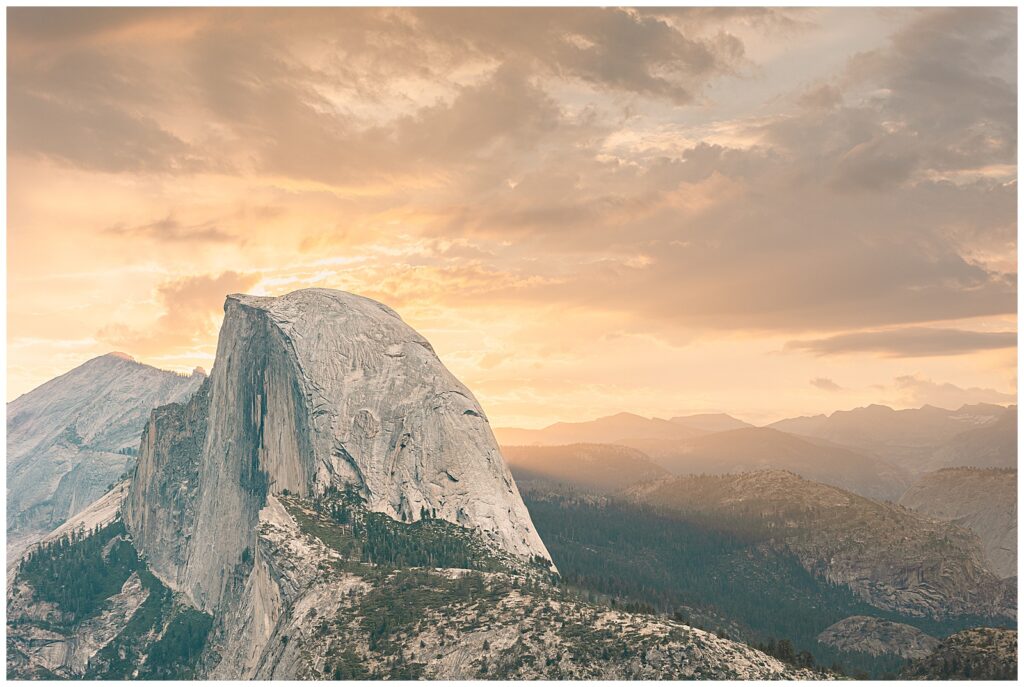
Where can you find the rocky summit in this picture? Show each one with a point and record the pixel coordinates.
(71, 438)
(312, 390)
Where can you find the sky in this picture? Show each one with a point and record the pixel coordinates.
(767, 212)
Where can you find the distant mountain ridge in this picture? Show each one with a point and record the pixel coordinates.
(919, 439)
(889, 556)
(602, 468)
(875, 450)
(711, 422)
(612, 429)
(760, 448)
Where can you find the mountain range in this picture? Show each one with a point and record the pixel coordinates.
(919, 439)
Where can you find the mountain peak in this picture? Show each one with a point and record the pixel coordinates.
(312, 391)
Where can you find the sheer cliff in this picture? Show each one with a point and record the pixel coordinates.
(314, 390)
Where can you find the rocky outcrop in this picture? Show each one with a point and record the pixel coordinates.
(983, 501)
(71, 438)
(889, 556)
(878, 637)
(45, 646)
(982, 653)
(305, 613)
(161, 509)
(312, 390)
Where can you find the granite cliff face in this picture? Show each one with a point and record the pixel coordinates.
(982, 501)
(314, 390)
(71, 438)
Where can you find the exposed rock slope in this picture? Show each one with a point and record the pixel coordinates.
(887, 555)
(983, 653)
(875, 636)
(312, 390)
(307, 603)
(332, 618)
(70, 438)
(983, 501)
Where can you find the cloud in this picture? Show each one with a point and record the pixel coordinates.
(825, 384)
(667, 174)
(192, 309)
(916, 391)
(171, 230)
(529, 132)
(908, 342)
(94, 136)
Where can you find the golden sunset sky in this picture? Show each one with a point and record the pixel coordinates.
(764, 212)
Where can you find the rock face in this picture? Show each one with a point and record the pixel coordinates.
(889, 556)
(982, 653)
(312, 390)
(877, 637)
(70, 438)
(983, 501)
